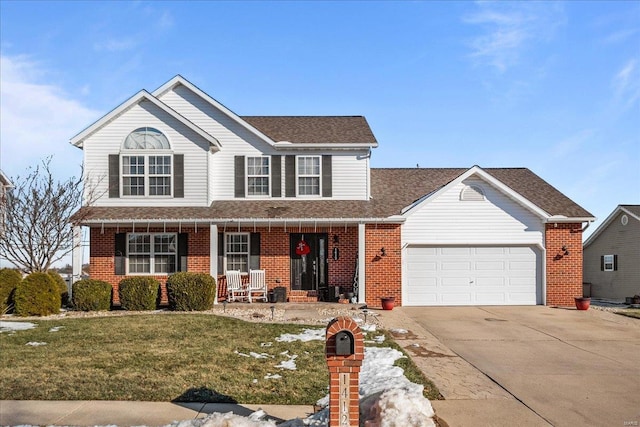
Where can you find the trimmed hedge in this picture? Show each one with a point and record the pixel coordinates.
(37, 295)
(9, 279)
(191, 291)
(139, 293)
(91, 295)
(62, 287)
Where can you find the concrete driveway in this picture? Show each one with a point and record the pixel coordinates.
(568, 367)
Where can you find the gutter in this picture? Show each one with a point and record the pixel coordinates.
(394, 219)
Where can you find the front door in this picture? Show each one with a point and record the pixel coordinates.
(308, 261)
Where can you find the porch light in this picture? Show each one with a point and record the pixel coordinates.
(336, 239)
(565, 249)
(383, 251)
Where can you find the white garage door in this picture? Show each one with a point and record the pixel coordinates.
(472, 276)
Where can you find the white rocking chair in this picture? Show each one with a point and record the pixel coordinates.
(257, 285)
(235, 289)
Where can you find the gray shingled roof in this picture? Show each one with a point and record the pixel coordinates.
(392, 190)
(634, 209)
(314, 129)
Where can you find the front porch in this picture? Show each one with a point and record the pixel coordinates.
(304, 261)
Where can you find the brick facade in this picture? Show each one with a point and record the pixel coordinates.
(564, 272)
(102, 255)
(383, 272)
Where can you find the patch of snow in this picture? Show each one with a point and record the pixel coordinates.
(259, 355)
(368, 327)
(266, 344)
(226, 420)
(288, 364)
(15, 326)
(36, 343)
(399, 331)
(396, 407)
(376, 340)
(56, 328)
(272, 376)
(306, 335)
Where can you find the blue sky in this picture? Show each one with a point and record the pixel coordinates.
(552, 86)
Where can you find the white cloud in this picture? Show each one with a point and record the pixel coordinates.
(572, 144)
(626, 84)
(508, 28)
(620, 36)
(38, 119)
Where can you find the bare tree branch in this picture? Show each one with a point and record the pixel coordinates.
(38, 229)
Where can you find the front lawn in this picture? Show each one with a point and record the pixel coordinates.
(164, 357)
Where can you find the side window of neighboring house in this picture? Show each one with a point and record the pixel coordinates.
(609, 263)
(146, 166)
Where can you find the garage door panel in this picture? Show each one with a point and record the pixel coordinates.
(472, 275)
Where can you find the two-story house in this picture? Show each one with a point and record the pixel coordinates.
(184, 183)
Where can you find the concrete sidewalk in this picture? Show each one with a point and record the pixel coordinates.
(92, 413)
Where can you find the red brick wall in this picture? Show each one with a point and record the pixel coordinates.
(102, 255)
(383, 273)
(564, 272)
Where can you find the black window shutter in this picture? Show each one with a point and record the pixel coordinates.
(290, 176)
(615, 263)
(114, 176)
(120, 254)
(601, 262)
(254, 254)
(239, 176)
(220, 253)
(327, 190)
(183, 251)
(276, 176)
(178, 175)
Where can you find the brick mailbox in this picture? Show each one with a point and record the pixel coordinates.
(345, 353)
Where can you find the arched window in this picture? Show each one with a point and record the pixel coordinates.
(472, 193)
(147, 171)
(146, 139)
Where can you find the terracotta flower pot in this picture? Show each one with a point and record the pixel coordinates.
(583, 303)
(387, 303)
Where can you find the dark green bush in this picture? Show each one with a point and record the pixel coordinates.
(138, 293)
(62, 287)
(91, 295)
(37, 295)
(191, 291)
(9, 279)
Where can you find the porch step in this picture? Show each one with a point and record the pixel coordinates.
(303, 296)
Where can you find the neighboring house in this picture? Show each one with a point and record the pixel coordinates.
(612, 255)
(190, 185)
(5, 185)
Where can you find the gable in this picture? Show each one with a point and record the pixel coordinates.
(613, 224)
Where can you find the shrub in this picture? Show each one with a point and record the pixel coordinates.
(91, 295)
(62, 287)
(37, 295)
(191, 291)
(9, 279)
(138, 293)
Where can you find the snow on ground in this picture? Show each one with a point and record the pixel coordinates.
(306, 335)
(15, 326)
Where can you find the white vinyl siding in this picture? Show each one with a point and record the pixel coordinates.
(109, 140)
(496, 220)
(350, 173)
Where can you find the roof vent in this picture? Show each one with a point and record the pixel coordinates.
(472, 193)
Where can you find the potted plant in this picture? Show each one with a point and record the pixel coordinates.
(387, 303)
(583, 303)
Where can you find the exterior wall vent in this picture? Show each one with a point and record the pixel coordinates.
(624, 220)
(472, 193)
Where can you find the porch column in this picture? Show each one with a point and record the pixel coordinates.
(213, 257)
(361, 263)
(76, 255)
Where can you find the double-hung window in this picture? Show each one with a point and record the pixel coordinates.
(308, 175)
(608, 262)
(258, 176)
(237, 251)
(152, 253)
(146, 164)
